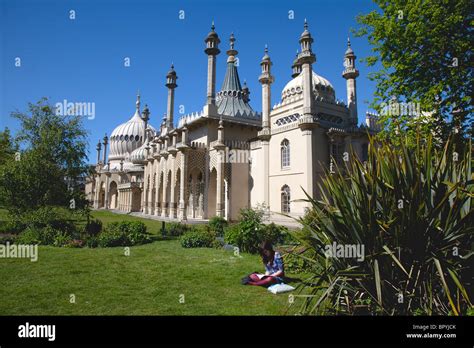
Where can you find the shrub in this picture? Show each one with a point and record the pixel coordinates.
(176, 229)
(91, 242)
(410, 210)
(198, 238)
(93, 228)
(218, 224)
(29, 236)
(11, 226)
(124, 233)
(8, 238)
(298, 261)
(274, 233)
(61, 239)
(250, 232)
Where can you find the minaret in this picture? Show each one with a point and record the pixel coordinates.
(171, 78)
(146, 115)
(296, 67)
(306, 123)
(306, 58)
(350, 73)
(106, 141)
(266, 79)
(212, 50)
(99, 146)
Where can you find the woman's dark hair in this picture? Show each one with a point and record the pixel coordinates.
(266, 251)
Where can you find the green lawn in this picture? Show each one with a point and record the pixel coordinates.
(148, 282)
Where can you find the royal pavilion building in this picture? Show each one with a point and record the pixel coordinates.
(229, 156)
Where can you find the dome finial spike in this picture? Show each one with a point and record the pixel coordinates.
(213, 26)
(266, 48)
(138, 100)
(305, 24)
(232, 40)
(348, 41)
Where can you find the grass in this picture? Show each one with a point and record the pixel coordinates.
(150, 281)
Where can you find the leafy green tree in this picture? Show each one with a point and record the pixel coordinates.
(53, 150)
(7, 146)
(425, 51)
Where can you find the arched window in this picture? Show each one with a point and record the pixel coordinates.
(285, 153)
(285, 199)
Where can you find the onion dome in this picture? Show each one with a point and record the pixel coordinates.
(321, 88)
(139, 155)
(349, 50)
(128, 136)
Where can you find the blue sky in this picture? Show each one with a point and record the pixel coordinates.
(82, 60)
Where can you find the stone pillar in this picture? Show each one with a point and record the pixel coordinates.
(220, 183)
(182, 187)
(164, 209)
(173, 187)
(106, 203)
(106, 141)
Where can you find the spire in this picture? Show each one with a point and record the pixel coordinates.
(232, 99)
(231, 52)
(349, 50)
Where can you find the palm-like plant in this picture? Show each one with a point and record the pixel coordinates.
(413, 213)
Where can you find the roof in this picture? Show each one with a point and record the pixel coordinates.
(231, 100)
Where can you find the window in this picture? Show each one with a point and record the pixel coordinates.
(285, 199)
(285, 153)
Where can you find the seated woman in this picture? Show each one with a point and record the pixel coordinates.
(274, 268)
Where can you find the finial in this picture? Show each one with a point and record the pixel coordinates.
(213, 26)
(266, 49)
(138, 100)
(232, 40)
(305, 24)
(221, 123)
(348, 42)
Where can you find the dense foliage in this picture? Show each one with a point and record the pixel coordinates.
(412, 211)
(218, 224)
(52, 157)
(199, 238)
(424, 48)
(250, 232)
(123, 233)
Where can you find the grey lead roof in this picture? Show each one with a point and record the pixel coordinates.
(231, 100)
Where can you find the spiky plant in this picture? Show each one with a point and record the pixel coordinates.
(412, 211)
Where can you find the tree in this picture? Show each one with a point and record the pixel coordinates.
(7, 146)
(424, 47)
(59, 138)
(53, 150)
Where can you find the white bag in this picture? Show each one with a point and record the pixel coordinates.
(280, 288)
